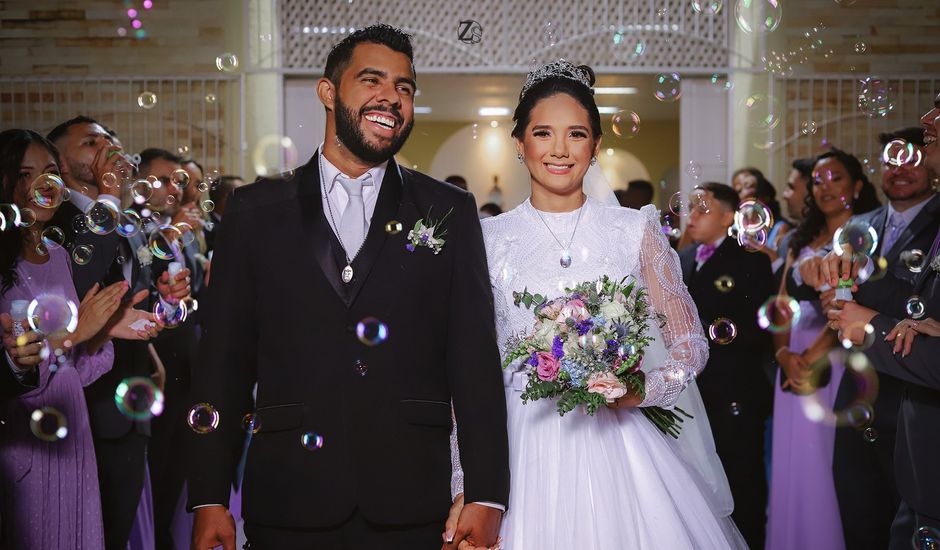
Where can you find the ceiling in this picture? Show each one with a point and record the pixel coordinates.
(459, 97)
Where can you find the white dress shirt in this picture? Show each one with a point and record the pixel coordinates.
(335, 199)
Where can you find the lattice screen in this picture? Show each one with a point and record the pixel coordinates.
(517, 35)
(831, 103)
(191, 115)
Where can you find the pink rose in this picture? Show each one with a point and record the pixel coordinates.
(551, 310)
(574, 309)
(606, 384)
(547, 367)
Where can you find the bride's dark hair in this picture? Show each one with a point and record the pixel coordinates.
(554, 84)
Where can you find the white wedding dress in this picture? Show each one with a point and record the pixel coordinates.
(612, 481)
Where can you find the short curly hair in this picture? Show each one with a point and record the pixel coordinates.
(338, 59)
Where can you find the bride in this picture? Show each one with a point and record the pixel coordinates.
(612, 480)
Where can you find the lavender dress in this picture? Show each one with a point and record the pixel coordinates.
(804, 512)
(49, 490)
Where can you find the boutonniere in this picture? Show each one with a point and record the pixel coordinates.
(144, 255)
(935, 264)
(429, 235)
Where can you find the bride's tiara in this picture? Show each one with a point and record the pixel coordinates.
(556, 69)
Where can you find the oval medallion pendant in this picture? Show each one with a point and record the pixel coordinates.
(348, 273)
(565, 260)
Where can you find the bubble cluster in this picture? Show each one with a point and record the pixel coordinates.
(139, 398)
(668, 87)
(203, 418)
(48, 424)
(899, 152)
(722, 331)
(625, 124)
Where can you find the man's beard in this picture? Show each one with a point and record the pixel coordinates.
(82, 172)
(351, 136)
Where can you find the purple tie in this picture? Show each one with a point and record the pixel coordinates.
(704, 252)
(933, 249)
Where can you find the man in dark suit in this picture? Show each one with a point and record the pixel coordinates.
(352, 435)
(907, 223)
(728, 285)
(918, 479)
(88, 152)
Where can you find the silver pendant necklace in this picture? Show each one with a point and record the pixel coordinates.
(565, 259)
(347, 273)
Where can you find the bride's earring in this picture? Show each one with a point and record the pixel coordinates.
(520, 158)
(338, 142)
(593, 161)
(935, 184)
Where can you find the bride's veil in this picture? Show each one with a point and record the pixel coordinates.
(695, 442)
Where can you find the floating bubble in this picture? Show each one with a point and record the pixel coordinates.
(81, 254)
(147, 100)
(628, 47)
(870, 435)
(721, 81)
(272, 154)
(899, 152)
(141, 191)
(693, 169)
(675, 204)
(251, 423)
(808, 128)
(371, 331)
(662, 12)
(47, 191)
(778, 313)
(48, 424)
(926, 538)
(859, 415)
(856, 236)
(207, 205)
(187, 236)
(78, 224)
(914, 260)
(752, 216)
(52, 237)
(761, 111)
(861, 47)
(722, 331)
(875, 97)
(227, 62)
(625, 124)
(27, 217)
(180, 177)
(734, 408)
(860, 381)
(202, 186)
(169, 315)
(724, 284)
(102, 217)
(868, 336)
(311, 441)
(915, 307)
(52, 313)
(164, 241)
(753, 241)
(707, 7)
(551, 34)
(138, 398)
(758, 16)
(129, 223)
(211, 98)
(668, 87)
(109, 179)
(393, 227)
(203, 418)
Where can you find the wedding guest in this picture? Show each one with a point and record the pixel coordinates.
(728, 284)
(219, 195)
(48, 480)
(88, 152)
(804, 511)
(192, 198)
(755, 186)
(639, 193)
(459, 181)
(795, 197)
(489, 210)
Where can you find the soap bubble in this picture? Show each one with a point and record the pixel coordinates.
(724, 284)
(147, 100)
(272, 153)
(251, 423)
(102, 217)
(52, 237)
(393, 227)
(203, 418)
(227, 62)
(129, 223)
(668, 87)
(551, 34)
(914, 260)
(180, 177)
(778, 313)
(856, 236)
(875, 97)
(915, 307)
(628, 47)
(752, 216)
(861, 47)
(51, 313)
(311, 441)
(47, 191)
(926, 538)
(81, 254)
(707, 7)
(758, 16)
(138, 398)
(722, 331)
(808, 128)
(48, 424)
(761, 111)
(625, 124)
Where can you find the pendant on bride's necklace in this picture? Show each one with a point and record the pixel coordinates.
(565, 260)
(348, 273)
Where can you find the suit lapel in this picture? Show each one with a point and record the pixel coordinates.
(923, 219)
(879, 221)
(386, 209)
(317, 229)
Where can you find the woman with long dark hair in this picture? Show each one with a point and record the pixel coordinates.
(48, 476)
(804, 511)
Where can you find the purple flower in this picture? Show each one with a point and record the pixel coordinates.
(585, 326)
(424, 238)
(410, 247)
(558, 348)
(534, 361)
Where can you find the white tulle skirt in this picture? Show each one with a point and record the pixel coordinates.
(608, 482)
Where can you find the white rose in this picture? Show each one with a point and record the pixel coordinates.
(545, 334)
(613, 310)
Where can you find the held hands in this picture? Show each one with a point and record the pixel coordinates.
(23, 349)
(213, 526)
(177, 290)
(797, 371)
(472, 526)
(850, 318)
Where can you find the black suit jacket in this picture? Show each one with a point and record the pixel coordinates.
(130, 357)
(735, 371)
(917, 448)
(277, 313)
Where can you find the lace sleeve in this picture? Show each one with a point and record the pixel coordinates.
(686, 346)
(456, 476)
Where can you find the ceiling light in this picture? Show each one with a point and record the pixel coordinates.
(494, 111)
(422, 110)
(615, 90)
(608, 110)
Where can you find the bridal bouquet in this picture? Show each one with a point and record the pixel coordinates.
(586, 347)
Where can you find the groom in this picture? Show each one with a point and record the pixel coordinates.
(358, 337)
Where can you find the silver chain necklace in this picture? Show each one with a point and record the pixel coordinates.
(347, 273)
(565, 259)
